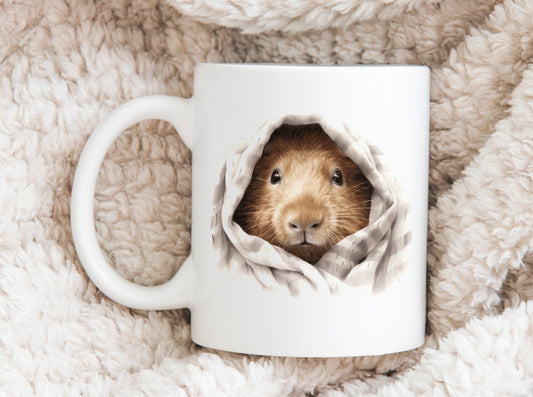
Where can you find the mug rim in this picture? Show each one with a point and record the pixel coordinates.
(271, 66)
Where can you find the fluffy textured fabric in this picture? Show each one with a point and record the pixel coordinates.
(65, 65)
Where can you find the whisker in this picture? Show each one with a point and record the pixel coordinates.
(365, 183)
(260, 179)
(347, 214)
(362, 202)
(353, 208)
(353, 212)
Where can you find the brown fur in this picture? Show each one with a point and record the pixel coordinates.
(305, 206)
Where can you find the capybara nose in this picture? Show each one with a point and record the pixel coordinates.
(305, 225)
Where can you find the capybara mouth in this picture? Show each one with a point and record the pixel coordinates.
(309, 252)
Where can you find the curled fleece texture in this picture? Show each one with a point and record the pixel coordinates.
(296, 16)
(64, 65)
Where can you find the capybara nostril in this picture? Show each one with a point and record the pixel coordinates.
(298, 225)
(294, 225)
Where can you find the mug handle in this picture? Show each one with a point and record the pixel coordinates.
(173, 294)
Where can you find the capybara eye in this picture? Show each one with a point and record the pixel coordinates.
(336, 177)
(275, 178)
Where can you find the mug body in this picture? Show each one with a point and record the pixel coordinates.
(245, 306)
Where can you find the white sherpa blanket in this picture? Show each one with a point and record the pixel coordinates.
(64, 65)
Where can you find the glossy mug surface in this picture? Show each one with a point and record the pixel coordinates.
(366, 296)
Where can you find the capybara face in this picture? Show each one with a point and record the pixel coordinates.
(305, 194)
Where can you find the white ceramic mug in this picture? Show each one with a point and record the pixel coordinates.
(267, 302)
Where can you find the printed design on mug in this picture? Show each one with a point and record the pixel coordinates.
(351, 233)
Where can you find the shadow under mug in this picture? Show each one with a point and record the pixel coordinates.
(366, 296)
